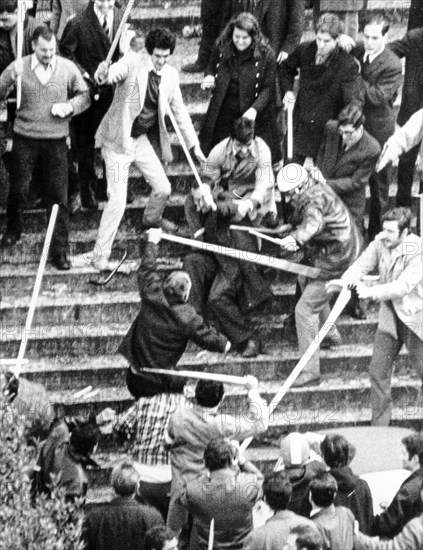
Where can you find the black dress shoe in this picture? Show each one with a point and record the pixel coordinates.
(10, 238)
(195, 67)
(61, 261)
(252, 349)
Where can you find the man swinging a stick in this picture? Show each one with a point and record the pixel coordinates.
(134, 130)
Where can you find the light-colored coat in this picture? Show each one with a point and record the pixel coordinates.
(401, 280)
(130, 74)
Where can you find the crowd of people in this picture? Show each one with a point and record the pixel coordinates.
(62, 101)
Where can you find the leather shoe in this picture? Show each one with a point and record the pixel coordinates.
(61, 261)
(252, 349)
(10, 238)
(331, 340)
(195, 67)
(307, 379)
(74, 204)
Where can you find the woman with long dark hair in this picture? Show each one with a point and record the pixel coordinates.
(242, 74)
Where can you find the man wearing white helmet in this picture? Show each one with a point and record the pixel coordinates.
(326, 233)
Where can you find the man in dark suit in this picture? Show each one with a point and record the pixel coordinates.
(86, 40)
(328, 82)
(122, 523)
(347, 159)
(411, 48)
(381, 72)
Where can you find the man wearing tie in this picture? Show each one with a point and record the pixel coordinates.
(381, 72)
(134, 130)
(86, 40)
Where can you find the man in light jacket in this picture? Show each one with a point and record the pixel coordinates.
(397, 254)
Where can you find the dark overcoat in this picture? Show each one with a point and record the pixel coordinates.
(119, 525)
(84, 41)
(162, 329)
(281, 21)
(257, 89)
(348, 172)
(410, 47)
(324, 227)
(381, 80)
(323, 91)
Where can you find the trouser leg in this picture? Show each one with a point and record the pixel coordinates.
(25, 154)
(406, 168)
(379, 200)
(211, 15)
(202, 268)
(54, 156)
(312, 304)
(117, 168)
(152, 169)
(223, 303)
(385, 350)
(414, 345)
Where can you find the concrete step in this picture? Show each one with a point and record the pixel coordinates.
(77, 334)
(72, 367)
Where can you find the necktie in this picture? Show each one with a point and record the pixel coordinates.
(106, 27)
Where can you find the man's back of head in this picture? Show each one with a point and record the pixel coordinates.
(208, 393)
(277, 490)
(124, 478)
(323, 489)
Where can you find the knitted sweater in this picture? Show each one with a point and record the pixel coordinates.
(33, 118)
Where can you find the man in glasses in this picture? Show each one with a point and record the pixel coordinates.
(347, 158)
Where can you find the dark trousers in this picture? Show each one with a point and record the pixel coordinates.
(53, 154)
(406, 167)
(85, 127)
(379, 200)
(385, 350)
(215, 291)
(156, 495)
(211, 16)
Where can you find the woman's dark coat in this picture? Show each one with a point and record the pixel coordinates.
(257, 89)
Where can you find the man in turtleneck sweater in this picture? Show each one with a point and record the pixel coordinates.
(40, 131)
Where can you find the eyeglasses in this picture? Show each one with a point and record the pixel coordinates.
(348, 133)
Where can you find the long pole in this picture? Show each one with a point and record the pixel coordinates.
(261, 259)
(43, 260)
(19, 48)
(119, 31)
(341, 302)
(290, 144)
(210, 202)
(198, 375)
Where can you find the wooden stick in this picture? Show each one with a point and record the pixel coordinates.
(198, 375)
(341, 302)
(44, 255)
(265, 237)
(19, 48)
(178, 132)
(211, 536)
(281, 229)
(117, 36)
(290, 141)
(6, 362)
(260, 259)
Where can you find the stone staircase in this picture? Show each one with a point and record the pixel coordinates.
(77, 327)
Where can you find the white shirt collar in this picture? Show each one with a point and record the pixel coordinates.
(372, 57)
(100, 17)
(35, 63)
(151, 67)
